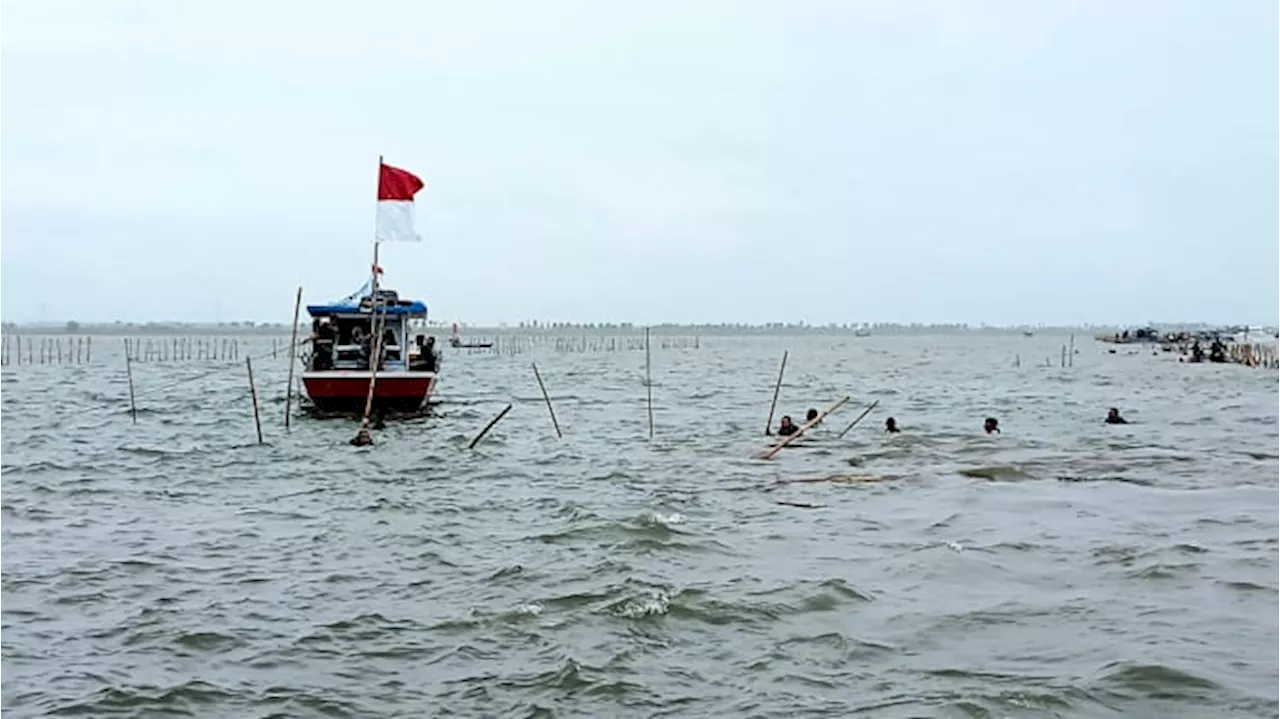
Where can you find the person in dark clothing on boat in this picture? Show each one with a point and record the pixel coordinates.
(1197, 352)
(1113, 417)
(891, 426)
(786, 427)
(991, 426)
(322, 337)
(1217, 351)
(430, 349)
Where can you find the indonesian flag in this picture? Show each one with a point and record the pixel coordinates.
(396, 189)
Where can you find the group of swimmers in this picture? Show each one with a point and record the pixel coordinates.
(990, 425)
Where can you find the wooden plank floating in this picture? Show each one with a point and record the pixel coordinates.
(489, 426)
(858, 419)
(769, 453)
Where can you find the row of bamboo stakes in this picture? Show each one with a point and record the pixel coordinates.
(768, 453)
(506, 344)
(79, 350)
(49, 350)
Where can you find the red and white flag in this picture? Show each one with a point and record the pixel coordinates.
(396, 189)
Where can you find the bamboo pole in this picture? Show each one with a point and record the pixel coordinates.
(768, 425)
(253, 394)
(375, 342)
(648, 380)
(488, 427)
(547, 397)
(293, 358)
(858, 419)
(128, 368)
(1071, 356)
(803, 428)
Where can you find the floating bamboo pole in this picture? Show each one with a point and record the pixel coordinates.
(803, 428)
(768, 425)
(489, 426)
(293, 358)
(253, 394)
(858, 419)
(547, 397)
(648, 380)
(128, 368)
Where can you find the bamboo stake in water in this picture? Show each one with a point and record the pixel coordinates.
(128, 368)
(253, 393)
(293, 359)
(768, 425)
(648, 380)
(488, 427)
(376, 342)
(858, 419)
(802, 429)
(547, 397)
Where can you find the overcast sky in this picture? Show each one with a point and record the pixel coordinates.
(999, 161)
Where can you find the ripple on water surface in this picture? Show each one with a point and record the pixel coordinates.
(1063, 568)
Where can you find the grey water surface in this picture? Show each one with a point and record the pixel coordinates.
(1062, 569)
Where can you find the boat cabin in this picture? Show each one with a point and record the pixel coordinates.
(342, 335)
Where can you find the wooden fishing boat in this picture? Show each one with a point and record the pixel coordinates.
(338, 369)
(371, 351)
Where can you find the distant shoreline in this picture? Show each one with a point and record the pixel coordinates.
(125, 329)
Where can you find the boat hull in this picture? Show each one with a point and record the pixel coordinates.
(347, 390)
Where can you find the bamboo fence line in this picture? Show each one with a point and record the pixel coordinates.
(514, 344)
(18, 349)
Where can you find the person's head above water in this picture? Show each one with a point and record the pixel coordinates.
(786, 420)
(891, 425)
(991, 425)
(811, 415)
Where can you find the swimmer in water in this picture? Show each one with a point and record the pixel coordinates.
(363, 438)
(1113, 417)
(810, 415)
(786, 427)
(891, 426)
(991, 426)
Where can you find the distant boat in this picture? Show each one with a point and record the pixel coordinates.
(1028, 333)
(862, 332)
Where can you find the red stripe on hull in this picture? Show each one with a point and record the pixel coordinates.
(395, 391)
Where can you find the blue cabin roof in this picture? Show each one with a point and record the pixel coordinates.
(414, 308)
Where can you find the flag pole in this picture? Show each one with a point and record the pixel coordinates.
(376, 340)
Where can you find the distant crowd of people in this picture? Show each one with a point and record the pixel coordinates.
(990, 425)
